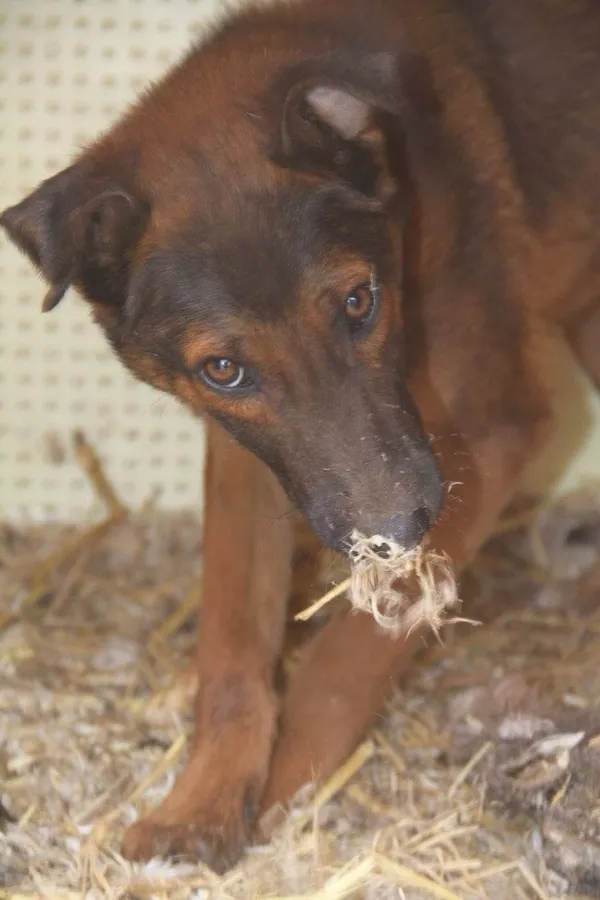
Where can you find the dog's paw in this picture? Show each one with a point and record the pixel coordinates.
(219, 848)
(211, 810)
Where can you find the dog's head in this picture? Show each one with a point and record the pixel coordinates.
(239, 236)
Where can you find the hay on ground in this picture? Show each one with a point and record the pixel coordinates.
(480, 781)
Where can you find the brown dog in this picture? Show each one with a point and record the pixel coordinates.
(339, 227)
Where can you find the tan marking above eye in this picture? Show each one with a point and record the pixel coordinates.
(198, 346)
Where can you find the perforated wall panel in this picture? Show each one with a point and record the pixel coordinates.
(67, 69)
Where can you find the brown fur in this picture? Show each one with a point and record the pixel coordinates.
(449, 146)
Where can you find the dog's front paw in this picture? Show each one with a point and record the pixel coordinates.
(220, 848)
(212, 807)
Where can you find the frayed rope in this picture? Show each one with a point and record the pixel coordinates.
(373, 586)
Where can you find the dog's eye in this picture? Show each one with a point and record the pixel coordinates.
(360, 305)
(223, 373)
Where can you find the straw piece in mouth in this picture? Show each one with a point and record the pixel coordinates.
(378, 567)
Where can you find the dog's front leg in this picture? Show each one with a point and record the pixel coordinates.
(247, 570)
(352, 664)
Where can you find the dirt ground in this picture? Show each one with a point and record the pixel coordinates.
(480, 779)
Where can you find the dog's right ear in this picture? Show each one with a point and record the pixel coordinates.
(330, 115)
(79, 228)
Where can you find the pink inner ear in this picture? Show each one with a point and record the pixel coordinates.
(344, 112)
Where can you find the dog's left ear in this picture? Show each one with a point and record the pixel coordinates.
(336, 116)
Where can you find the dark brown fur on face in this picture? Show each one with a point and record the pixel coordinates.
(442, 156)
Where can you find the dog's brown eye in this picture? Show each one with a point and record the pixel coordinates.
(223, 373)
(360, 304)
